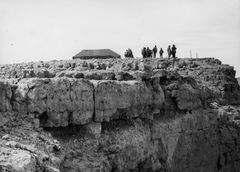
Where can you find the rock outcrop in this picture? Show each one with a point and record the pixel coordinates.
(120, 115)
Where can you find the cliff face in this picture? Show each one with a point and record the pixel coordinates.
(120, 115)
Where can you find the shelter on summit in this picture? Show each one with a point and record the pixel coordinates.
(96, 54)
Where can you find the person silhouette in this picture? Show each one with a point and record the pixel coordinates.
(154, 51)
(161, 53)
(169, 51)
(144, 52)
(149, 53)
(174, 50)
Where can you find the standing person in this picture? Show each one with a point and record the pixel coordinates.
(154, 51)
(174, 50)
(169, 51)
(149, 52)
(144, 52)
(161, 53)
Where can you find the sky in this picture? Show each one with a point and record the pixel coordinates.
(34, 30)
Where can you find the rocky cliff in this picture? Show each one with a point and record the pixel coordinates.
(120, 115)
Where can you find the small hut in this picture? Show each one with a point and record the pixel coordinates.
(96, 54)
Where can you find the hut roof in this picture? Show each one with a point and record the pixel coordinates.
(97, 53)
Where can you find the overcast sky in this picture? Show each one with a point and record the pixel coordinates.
(34, 30)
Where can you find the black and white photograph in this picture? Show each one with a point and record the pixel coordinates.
(120, 86)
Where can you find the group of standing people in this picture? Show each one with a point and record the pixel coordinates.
(148, 53)
(151, 53)
(172, 51)
(128, 53)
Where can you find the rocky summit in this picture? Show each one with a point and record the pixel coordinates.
(120, 115)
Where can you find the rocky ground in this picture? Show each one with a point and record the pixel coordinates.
(120, 115)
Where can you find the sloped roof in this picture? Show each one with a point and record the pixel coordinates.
(97, 53)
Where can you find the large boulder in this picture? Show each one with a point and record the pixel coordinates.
(57, 102)
(26, 150)
(187, 98)
(16, 160)
(121, 99)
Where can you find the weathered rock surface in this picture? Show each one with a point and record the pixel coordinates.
(26, 150)
(120, 115)
(126, 99)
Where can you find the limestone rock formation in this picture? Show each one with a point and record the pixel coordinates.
(120, 115)
(126, 99)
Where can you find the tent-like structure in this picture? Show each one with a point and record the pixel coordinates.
(96, 54)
